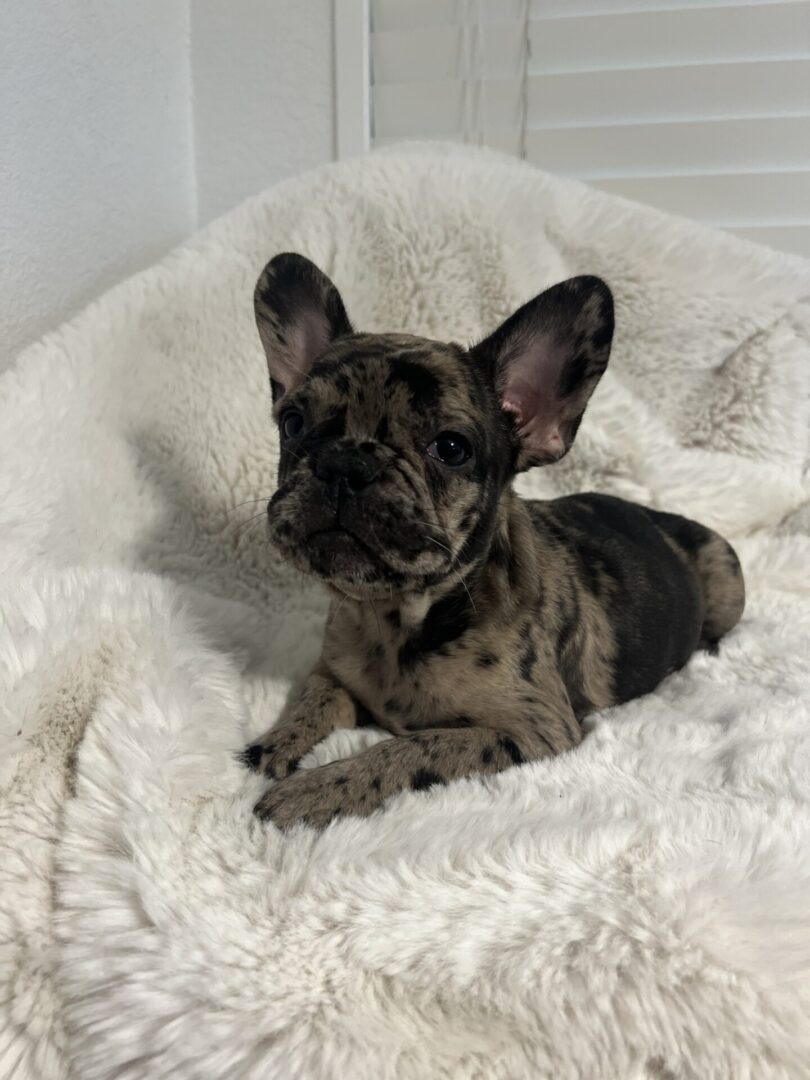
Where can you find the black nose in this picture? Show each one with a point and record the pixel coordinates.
(348, 469)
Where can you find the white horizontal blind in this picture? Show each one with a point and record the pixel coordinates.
(700, 108)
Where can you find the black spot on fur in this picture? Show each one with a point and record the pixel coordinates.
(421, 383)
(292, 766)
(363, 716)
(342, 382)
(423, 779)
(334, 427)
(511, 748)
(341, 780)
(381, 434)
(393, 619)
(376, 784)
(486, 659)
(251, 757)
(447, 620)
(499, 553)
(527, 661)
(393, 705)
(458, 722)
(487, 755)
(569, 620)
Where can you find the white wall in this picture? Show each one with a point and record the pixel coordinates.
(96, 160)
(126, 123)
(263, 94)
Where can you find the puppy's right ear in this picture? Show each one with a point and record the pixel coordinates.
(298, 313)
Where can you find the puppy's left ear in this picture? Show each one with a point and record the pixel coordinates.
(546, 360)
(298, 313)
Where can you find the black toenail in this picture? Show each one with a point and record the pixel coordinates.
(253, 756)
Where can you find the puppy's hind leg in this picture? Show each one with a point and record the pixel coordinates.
(717, 568)
(723, 588)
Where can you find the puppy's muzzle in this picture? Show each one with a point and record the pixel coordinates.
(346, 471)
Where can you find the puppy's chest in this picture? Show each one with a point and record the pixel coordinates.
(406, 693)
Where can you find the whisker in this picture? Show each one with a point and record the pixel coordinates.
(242, 524)
(438, 543)
(245, 503)
(466, 590)
(343, 598)
(377, 617)
(456, 572)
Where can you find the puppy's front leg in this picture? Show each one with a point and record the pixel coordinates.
(361, 784)
(324, 706)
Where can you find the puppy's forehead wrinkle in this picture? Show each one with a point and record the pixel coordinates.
(347, 353)
(392, 392)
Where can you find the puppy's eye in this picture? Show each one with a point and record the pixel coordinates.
(291, 423)
(450, 448)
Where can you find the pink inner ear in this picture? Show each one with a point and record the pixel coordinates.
(536, 411)
(306, 339)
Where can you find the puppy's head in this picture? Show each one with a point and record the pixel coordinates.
(395, 450)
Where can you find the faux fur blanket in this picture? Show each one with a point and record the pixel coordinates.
(639, 908)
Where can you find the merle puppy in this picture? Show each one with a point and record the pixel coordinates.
(477, 627)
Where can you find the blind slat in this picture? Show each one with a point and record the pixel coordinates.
(695, 147)
(713, 91)
(706, 92)
(407, 14)
(728, 201)
(652, 38)
(642, 39)
(634, 151)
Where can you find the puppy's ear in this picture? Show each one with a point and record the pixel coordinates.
(546, 360)
(298, 313)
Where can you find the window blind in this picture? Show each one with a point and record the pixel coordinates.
(699, 108)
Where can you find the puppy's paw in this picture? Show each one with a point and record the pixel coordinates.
(316, 796)
(284, 806)
(275, 756)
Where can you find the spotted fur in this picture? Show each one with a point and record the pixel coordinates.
(476, 627)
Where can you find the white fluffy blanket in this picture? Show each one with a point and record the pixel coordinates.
(637, 908)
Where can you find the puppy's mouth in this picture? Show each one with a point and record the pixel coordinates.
(368, 545)
(337, 537)
(338, 555)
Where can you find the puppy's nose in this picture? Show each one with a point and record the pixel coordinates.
(347, 469)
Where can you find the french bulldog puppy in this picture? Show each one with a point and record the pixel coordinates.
(477, 627)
